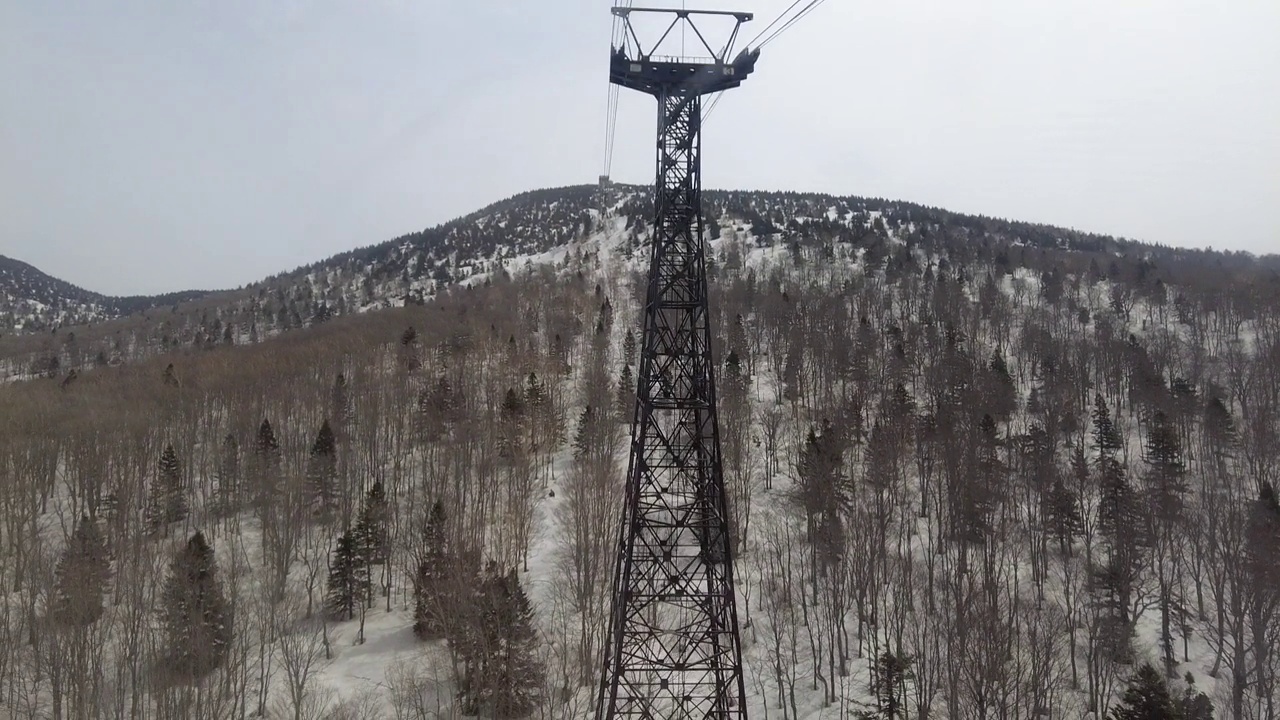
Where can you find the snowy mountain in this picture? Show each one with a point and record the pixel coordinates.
(535, 228)
(977, 468)
(32, 301)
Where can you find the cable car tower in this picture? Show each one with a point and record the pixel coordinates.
(673, 649)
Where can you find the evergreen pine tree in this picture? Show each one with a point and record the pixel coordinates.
(348, 578)
(629, 347)
(82, 576)
(889, 686)
(582, 437)
(792, 371)
(408, 354)
(1105, 436)
(1062, 515)
(516, 676)
(431, 584)
(982, 491)
(736, 379)
(1121, 522)
(822, 493)
(195, 616)
(266, 454)
(322, 474)
(167, 502)
(340, 404)
(1166, 487)
(1195, 705)
(511, 418)
(470, 634)
(370, 534)
(435, 410)
(605, 317)
(1218, 423)
(228, 475)
(738, 342)
(497, 645)
(1001, 392)
(864, 344)
(1263, 533)
(545, 423)
(625, 395)
(560, 353)
(1147, 698)
(1166, 470)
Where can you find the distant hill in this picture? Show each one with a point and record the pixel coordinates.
(32, 300)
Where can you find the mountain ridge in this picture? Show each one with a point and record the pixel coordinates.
(33, 300)
(539, 225)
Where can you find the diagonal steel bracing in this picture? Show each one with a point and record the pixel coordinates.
(673, 647)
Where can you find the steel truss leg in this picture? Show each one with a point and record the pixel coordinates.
(673, 646)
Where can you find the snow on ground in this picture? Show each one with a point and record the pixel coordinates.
(380, 665)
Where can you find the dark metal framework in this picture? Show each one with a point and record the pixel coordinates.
(673, 647)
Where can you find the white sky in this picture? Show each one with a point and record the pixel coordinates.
(157, 146)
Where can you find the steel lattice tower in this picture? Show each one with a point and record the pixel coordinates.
(673, 649)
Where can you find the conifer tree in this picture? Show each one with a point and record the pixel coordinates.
(1121, 523)
(1262, 550)
(516, 675)
(560, 353)
(322, 474)
(167, 502)
(604, 320)
(629, 347)
(822, 493)
(340, 404)
(889, 686)
(266, 454)
(501, 674)
(196, 619)
(511, 424)
(470, 636)
(431, 585)
(1166, 470)
(1195, 705)
(1062, 515)
(1105, 436)
(738, 342)
(546, 427)
(792, 371)
(865, 345)
(1166, 487)
(435, 410)
(370, 535)
(735, 376)
(348, 578)
(228, 475)
(408, 354)
(1001, 392)
(625, 395)
(1147, 698)
(582, 437)
(82, 576)
(982, 491)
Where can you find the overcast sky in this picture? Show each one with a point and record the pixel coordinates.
(157, 146)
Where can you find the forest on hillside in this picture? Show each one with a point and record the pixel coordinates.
(559, 226)
(968, 479)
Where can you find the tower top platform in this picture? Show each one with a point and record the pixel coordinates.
(649, 70)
